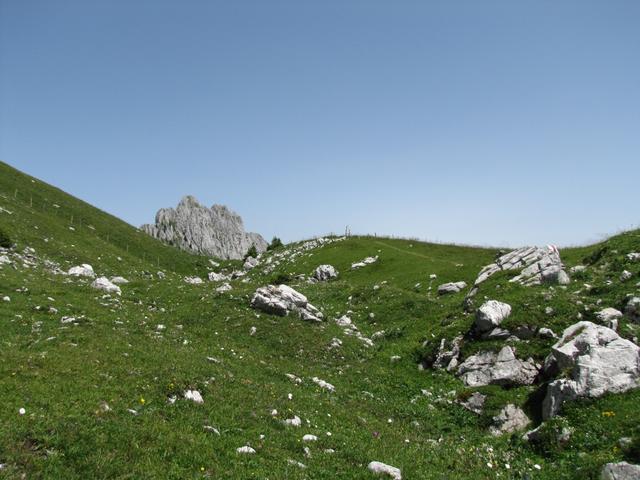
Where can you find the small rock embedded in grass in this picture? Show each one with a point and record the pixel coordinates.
(194, 396)
(309, 438)
(294, 422)
(379, 468)
(246, 450)
(322, 384)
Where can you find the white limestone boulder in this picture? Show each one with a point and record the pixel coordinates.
(491, 314)
(84, 270)
(597, 360)
(103, 283)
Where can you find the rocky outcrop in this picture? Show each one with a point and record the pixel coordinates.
(503, 368)
(597, 360)
(215, 231)
(282, 299)
(539, 265)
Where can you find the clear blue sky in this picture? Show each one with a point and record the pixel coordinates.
(488, 122)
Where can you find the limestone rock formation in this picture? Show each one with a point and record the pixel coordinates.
(539, 265)
(598, 361)
(215, 231)
(503, 368)
(491, 314)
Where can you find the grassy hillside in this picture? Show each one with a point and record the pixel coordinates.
(71, 231)
(96, 390)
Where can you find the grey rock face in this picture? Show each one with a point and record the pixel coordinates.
(598, 361)
(510, 419)
(452, 287)
(282, 299)
(503, 368)
(215, 231)
(539, 265)
(620, 471)
(491, 314)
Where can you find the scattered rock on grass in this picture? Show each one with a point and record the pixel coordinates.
(379, 468)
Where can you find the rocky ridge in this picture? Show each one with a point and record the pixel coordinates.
(215, 231)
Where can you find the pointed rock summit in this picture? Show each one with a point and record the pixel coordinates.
(215, 231)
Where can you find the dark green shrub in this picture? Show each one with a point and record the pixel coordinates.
(5, 240)
(252, 252)
(280, 278)
(275, 243)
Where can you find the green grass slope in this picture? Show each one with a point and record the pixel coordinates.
(96, 390)
(71, 231)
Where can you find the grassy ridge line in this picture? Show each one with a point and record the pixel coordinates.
(77, 232)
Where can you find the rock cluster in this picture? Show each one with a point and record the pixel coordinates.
(282, 299)
(503, 368)
(215, 231)
(539, 265)
(598, 361)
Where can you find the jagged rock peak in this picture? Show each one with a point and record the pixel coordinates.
(216, 231)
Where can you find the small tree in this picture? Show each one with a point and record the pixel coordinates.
(5, 240)
(252, 252)
(275, 243)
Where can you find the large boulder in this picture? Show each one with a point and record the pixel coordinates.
(503, 368)
(539, 265)
(282, 299)
(215, 231)
(491, 314)
(451, 287)
(324, 273)
(597, 360)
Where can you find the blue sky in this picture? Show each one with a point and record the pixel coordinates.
(493, 122)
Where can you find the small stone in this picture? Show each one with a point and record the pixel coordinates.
(379, 468)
